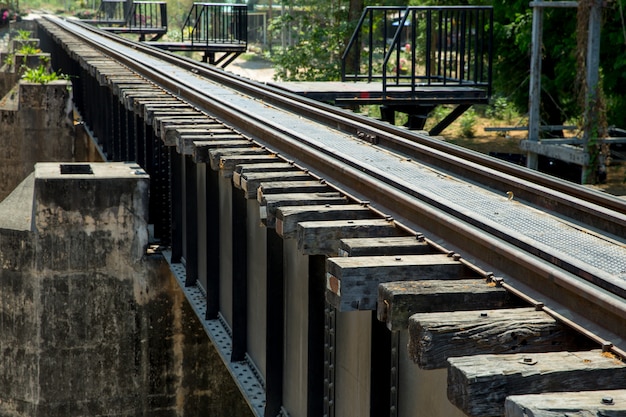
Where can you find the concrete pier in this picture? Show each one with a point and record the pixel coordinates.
(90, 322)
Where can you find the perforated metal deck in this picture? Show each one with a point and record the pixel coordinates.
(558, 236)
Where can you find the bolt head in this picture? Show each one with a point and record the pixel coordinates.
(607, 400)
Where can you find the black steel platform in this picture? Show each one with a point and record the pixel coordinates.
(356, 93)
(412, 59)
(228, 51)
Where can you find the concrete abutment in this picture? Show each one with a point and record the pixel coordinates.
(90, 324)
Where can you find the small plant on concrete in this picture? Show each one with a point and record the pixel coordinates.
(40, 75)
(9, 59)
(23, 34)
(29, 50)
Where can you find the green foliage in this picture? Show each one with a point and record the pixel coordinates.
(439, 113)
(317, 33)
(502, 109)
(9, 59)
(468, 123)
(23, 34)
(40, 75)
(28, 49)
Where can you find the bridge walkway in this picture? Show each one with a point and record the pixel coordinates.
(218, 30)
(412, 59)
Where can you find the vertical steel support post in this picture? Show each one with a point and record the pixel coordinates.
(191, 222)
(394, 363)
(380, 380)
(274, 338)
(139, 149)
(128, 139)
(429, 40)
(177, 177)
(592, 79)
(534, 95)
(315, 357)
(212, 245)
(163, 8)
(240, 276)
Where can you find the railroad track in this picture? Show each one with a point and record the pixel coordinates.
(517, 236)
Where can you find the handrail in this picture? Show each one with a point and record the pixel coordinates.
(147, 15)
(134, 16)
(111, 11)
(422, 46)
(216, 23)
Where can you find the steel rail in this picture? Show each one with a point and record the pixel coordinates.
(497, 252)
(542, 190)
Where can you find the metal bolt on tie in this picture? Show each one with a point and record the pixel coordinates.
(527, 360)
(484, 314)
(607, 400)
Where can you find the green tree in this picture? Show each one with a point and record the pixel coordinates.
(313, 35)
(560, 91)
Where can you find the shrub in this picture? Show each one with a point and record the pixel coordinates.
(468, 123)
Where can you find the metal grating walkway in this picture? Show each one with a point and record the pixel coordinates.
(554, 235)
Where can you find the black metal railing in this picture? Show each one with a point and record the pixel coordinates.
(148, 15)
(112, 12)
(422, 46)
(216, 23)
(142, 17)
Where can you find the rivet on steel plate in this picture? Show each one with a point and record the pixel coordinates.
(484, 314)
(607, 400)
(398, 258)
(350, 221)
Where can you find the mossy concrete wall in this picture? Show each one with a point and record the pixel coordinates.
(92, 324)
(35, 126)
